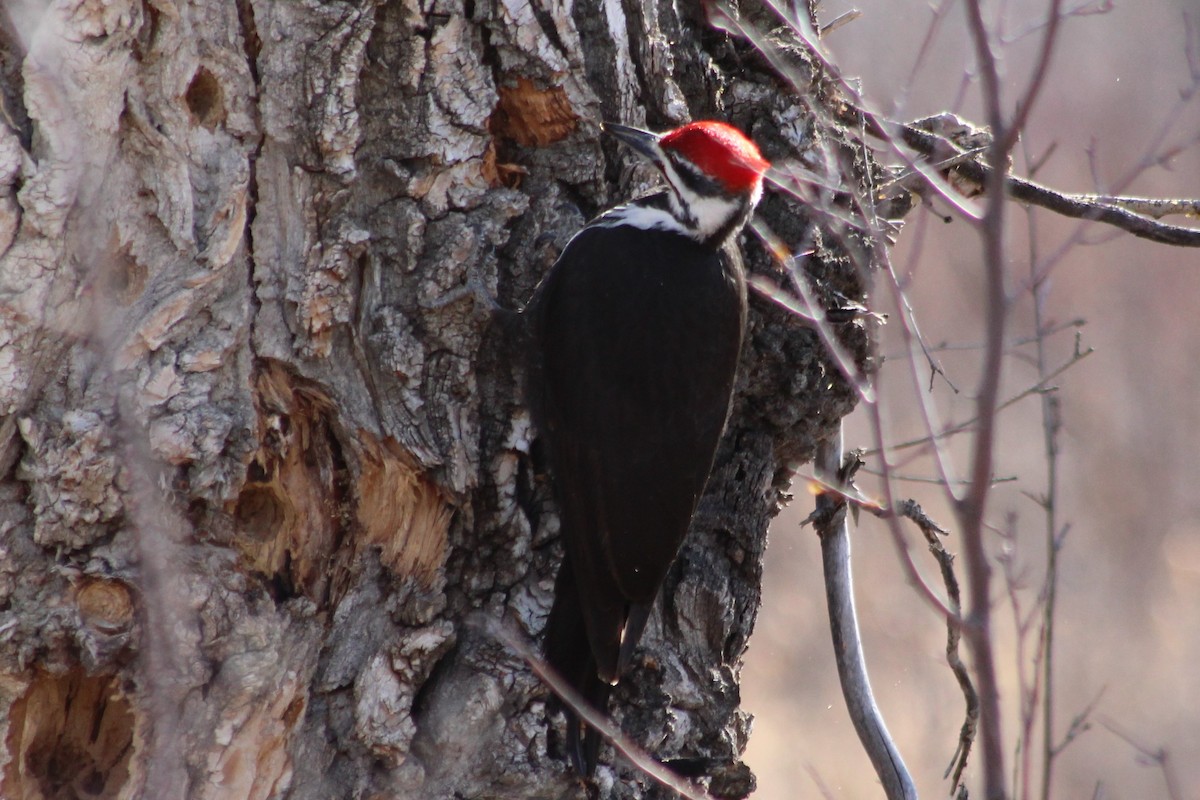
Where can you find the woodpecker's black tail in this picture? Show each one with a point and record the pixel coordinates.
(567, 650)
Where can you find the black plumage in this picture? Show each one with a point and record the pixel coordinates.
(635, 338)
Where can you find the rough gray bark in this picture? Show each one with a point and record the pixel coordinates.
(263, 457)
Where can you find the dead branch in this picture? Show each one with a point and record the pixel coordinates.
(833, 529)
(972, 505)
(912, 510)
(1132, 214)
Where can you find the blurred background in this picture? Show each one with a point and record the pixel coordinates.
(1128, 621)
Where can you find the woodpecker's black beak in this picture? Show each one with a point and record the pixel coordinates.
(642, 142)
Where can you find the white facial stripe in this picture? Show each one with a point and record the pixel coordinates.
(644, 217)
(702, 215)
(693, 215)
(756, 193)
(711, 214)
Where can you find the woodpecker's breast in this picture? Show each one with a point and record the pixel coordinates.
(636, 339)
(652, 308)
(638, 334)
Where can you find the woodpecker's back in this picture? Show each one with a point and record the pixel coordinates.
(636, 332)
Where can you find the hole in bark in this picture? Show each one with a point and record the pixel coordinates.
(260, 513)
(256, 472)
(125, 277)
(69, 736)
(205, 99)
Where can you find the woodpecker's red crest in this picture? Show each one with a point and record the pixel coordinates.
(720, 151)
(714, 174)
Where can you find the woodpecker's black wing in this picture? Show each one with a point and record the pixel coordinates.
(636, 335)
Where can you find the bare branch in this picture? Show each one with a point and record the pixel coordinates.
(830, 520)
(822, 787)
(839, 21)
(1081, 723)
(939, 16)
(1155, 207)
(1039, 72)
(973, 505)
(934, 481)
(1130, 214)
(1051, 426)
(834, 532)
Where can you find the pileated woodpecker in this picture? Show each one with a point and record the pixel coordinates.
(636, 331)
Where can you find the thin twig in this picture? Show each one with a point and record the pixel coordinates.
(839, 21)
(1081, 723)
(1030, 689)
(1159, 755)
(1041, 386)
(821, 785)
(966, 737)
(602, 723)
(1039, 72)
(1015, 342)
(1051, 426)
(897, 476)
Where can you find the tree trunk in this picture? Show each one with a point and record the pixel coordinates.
(263, 457)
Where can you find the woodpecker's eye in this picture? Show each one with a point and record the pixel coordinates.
(695, 179)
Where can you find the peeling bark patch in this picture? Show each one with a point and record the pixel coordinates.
(205, 99)
(402, 513)
(532, 117)
(69, 736)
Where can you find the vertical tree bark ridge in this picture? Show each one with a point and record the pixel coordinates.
(263, 456)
